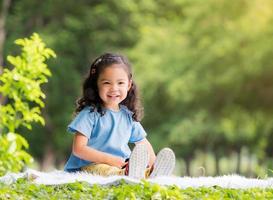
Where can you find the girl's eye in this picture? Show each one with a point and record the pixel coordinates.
(105, 83)
(121, 83)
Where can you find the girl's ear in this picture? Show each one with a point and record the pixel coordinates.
(130, 84)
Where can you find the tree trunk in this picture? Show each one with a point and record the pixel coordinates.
(249, 166)
(204, 160)
(49, 158)
(217, 163)
(3, 16)
(188, 165)
(238, 167)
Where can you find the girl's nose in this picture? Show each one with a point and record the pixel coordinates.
(114, 87)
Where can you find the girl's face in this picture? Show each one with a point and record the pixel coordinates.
(113, 85)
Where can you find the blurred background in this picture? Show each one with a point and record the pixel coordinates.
(204, 68)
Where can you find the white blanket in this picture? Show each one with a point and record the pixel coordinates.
(61, 177)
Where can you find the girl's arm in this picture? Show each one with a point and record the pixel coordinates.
(85, 152)
(150, 149)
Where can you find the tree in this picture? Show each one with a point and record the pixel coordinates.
(22, 86)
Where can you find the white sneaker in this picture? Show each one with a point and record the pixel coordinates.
(138, 161)
(164, 163)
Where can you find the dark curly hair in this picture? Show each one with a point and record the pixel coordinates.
(90, 95)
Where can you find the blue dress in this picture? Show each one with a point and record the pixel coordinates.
(110, 133)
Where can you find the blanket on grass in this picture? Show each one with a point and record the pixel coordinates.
(61, 177)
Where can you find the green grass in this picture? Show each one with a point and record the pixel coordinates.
(24, 189)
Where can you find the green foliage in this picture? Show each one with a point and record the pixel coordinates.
(85, 29)
(21, 85)
(205, 79)
(12, 154)
(25, 190)
(205, 70)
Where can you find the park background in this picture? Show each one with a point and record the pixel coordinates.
(204, 68)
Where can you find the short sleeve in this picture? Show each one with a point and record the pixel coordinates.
(83, 123)
(138, 133)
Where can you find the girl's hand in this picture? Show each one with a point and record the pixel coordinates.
(116, 162)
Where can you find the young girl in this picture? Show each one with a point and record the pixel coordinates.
(108, 118)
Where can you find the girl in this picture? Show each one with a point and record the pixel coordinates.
(108, 118)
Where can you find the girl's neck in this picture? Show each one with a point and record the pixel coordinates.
(113, 108)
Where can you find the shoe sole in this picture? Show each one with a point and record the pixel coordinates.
(164, 163)
(138, 161)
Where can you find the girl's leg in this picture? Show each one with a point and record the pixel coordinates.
(164, 163)
(103, 170)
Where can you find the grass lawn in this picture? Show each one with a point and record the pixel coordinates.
(24, 189)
